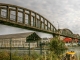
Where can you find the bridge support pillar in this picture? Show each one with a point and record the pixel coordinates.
(23, 16)
(50, 26)
(54, 35)
(29, 21)
(35, 20)
(8, 13)
(16, 14)
(40, 22)
(0, 12)
(47, 25)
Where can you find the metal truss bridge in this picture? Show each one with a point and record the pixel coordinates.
(17, 16)
(24, 18)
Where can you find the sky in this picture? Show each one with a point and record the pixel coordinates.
(62, 13)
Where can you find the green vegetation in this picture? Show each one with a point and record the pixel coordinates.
(79, 56)
(57, 46)
(56, 49)
(6, 56)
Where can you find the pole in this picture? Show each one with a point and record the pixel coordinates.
(10, 49)
(40, 48)
(58, 31)
(45, 55)
(29, 50)
(45, 51)
(23, 49)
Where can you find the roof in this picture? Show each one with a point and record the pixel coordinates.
(67, 39)
(18, 35)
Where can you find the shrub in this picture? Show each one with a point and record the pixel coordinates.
(57, 46)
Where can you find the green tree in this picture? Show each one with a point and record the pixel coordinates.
(57, 46)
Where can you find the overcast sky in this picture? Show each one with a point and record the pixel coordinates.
(65, 13)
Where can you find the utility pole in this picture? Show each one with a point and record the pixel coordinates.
(40, 48)
(29, 49)
(10, 48)
(58, 32)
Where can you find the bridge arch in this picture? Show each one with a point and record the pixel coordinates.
(24, 18)
(66, 32)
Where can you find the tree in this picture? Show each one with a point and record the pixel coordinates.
(57, 46)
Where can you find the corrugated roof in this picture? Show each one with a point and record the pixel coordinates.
(18, 35)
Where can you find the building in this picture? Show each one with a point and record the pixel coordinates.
(68, 37)
(30, 39)
(45, 40)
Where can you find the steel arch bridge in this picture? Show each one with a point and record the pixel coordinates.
(66, 32)
(24, 18)
(17, 16)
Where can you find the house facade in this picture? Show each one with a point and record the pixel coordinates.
(30, 39)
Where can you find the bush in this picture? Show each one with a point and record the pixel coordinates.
(57, 46)
(4, 55)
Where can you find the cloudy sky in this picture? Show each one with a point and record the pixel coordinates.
(65, 13)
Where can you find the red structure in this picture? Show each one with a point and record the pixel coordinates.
(67, 40)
